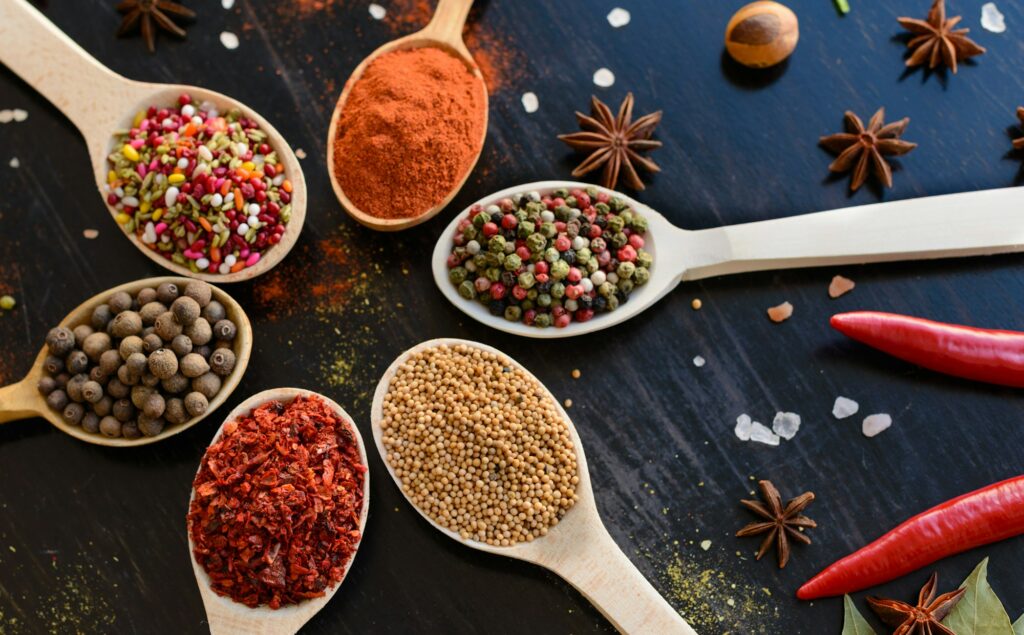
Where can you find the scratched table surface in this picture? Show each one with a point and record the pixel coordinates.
(93, 539)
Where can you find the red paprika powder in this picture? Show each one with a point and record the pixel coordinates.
(275, 513)
(411, 128)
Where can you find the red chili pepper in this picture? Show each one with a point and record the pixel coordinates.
(979, 518)
(995, 357)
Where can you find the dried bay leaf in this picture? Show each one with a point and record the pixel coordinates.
(853, 622)
(979, 612)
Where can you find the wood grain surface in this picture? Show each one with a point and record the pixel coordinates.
(93, 539)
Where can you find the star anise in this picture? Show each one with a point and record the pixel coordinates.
(781, 524)
(614, 142)
(148, 15)
(863, 148)
(935, 40)
(923, 619)
(1018, 143)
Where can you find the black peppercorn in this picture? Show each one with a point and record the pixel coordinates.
(600, 303)
(60, 341)
(496, 307)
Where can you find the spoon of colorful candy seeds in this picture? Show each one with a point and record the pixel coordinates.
(200, 183)
(580, 258)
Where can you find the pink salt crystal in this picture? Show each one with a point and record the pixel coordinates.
(780, 313)
(840, 286)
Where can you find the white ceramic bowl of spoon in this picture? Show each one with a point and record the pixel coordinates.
(952, 225)
(443, 32)
(100, 102)
(579, 548)
(227, 617)
(23, 400)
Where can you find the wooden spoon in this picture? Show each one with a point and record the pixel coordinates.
(227, 617)
(444, 32)
(948, 226)
(99, 102)
(23, 400)
(578, 548)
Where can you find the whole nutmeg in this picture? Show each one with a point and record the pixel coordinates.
(137, 364)
(762, 34)
(196, 403)
(53, 364)
(126, 323)
(167, 327)
(225, 330)
(167, 292)
(181, 345)
(78, 362)
(198, 291)
(57, 399)
(91, 423)
(163, 363)
(199, 332)
(123, 410)
(110, 361)
(151, 426)
(73, 413)
(92, 391)
(101, 315)
(145, 296)
(96, 344)
(154, 406)
(175, 384)
(207, 384)
(214, 312)
(82, 331)
(60, 341)
(150, 312)
(130, 430)
(175, 412)
(129, 345)
(185, 310)
(151, 342)
(120, 301)
(110, 427)
(117, 388)
(222, 361)
(193, 365)
(103, 406)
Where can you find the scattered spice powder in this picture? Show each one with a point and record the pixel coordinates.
(275, 517)
(411, 128)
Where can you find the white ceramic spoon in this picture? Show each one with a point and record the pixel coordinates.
(578, 548)
(967, 224)
(227, 617)
(99, 102)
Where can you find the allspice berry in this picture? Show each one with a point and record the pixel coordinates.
(145, 296)
(150, 426)
(82, 331)
(167, 292)
(92, 391)
(73, 413)
(126, 323)
(186, 310)
(96, 344)
(140, 394)
(154, 406)
(60, 341)
(151, 311)
(123, 410)
(193, 365)
(214, 312)
(100, 316)
(199, 332)
(163, 363)
(57, 399)
(167, 327)
(110, 427)
(225, 330)
(120, 301)
(222, 361)
(91, 423)
(208, 385)
(97, 375)
(762, 34)
(181, 345)
(198, 291)
(110, 361)
(46, 385)
(126, 376)
(117, 388)
(129, 345)
(53, 364)
(137, 364)
(151, 342)
(175, 412)
(175, 384)
(74, 387)
(196, 403)
(130, 430)
(78, 362)
(103, 406)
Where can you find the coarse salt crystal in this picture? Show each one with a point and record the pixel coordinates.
(299, 152)
(876, 424)
(844, 408)
(90, 233)
(229, 40)
(15, 163)
(604, 78)
(20, 115)
(992, 19)
(786, 424)
(762, 434)
(699, 361)
(227, 4)
(840, 286)
(705, 544)
(780, 313)
(377, 12)
(530, 102)
(618, 17)
(742, 429)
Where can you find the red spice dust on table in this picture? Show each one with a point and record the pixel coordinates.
(277, 501)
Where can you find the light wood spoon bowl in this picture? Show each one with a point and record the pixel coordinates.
(100, 102)
(444, 32)
(23, 400)
(579, 548)
(227, 617)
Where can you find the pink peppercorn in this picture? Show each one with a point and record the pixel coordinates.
(574, 275)
(582, 200)
(497, 291)
(627, 254)
(595, 231)
(603, 197)
(481, 284)
(583, 315)
(563, 321)
(562, 243)
(509, 221)
(529, 316)
(637, 241)
(489, 229)
(523, 253)
(453, 261)
(519, 293)
(541, 278)
(573, 291)
(541, 267)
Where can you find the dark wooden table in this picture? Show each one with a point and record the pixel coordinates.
(92, 539)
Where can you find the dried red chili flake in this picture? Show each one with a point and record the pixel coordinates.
(275, 515)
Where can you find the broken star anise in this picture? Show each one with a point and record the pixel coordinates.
(923, 619)
(148, 15)
(781, 524)
(935, 40)
(614, 142)
(862, 149)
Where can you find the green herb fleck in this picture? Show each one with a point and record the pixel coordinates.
(853, 622)
(843, 6)
(979, 611)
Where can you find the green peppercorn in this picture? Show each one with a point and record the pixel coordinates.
(602, 209)
(527, 280)
(592, 264)
(542, 320)
(481, 219)
(548, 230)
(562, 211)
(625, 285)
(513, 262)
(532, 294)
(493, 274)
(644, 259)
(513, 313)
(559, 269)
(457, 274)
(544, 300)
(583, 255)
(525, 228)
(638, 224)
(641, 275)
(561, 193)
(60, 341)
(625, 270)
(557, 290)
(496, 245)
(613, 302)
(606, 289)
(167, 292)
(618, 240)
(467, 290)
(618, 204)
(480, 261)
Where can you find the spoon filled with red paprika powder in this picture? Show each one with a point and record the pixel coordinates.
(409, 125)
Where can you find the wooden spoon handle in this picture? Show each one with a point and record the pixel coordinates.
(605, 576)
(62, 71)
(965, 224)
(448, 21)
(19, 401)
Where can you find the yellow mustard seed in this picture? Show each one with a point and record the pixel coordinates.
(696, 304)
(576, 373)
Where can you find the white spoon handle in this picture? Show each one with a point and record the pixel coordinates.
(605, 576)
(966, 224)
(49, 61)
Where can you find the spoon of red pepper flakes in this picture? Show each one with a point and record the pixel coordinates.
(990, 356)
(100, 103)
(277, 512)
(978, 518)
